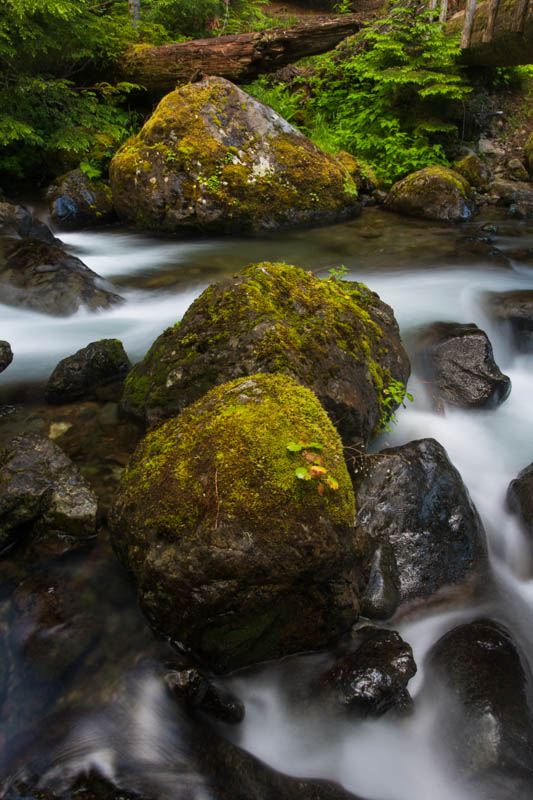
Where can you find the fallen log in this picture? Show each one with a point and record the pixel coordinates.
(502, 35)
(239, 57)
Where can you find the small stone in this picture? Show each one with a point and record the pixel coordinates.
(6, 355)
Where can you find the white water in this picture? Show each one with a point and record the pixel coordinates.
(399, 760)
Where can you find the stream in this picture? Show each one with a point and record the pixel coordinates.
(109, 712)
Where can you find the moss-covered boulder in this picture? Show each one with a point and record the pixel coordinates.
(213, 158)
(474, 170)
(235, 556)
(335, 337)
(435, 193)
(76, 201)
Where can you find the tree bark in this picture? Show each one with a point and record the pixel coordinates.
(468, 23)
(134, 7)
(239, 58)
(443, 11)
(488, 33)
(520, 14)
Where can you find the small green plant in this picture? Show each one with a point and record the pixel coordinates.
(343, 7)
(338, 273)
(314, 469)
(90, 170)
(395, 395)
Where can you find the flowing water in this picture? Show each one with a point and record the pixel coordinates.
(426, 272)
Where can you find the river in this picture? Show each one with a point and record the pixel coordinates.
(426, 272)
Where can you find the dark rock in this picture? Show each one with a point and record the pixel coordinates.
(432, 193)
(232, 554)
(335, 337)
(487, 716)
(211, 157)
(458, 362)
(201, 694)
(520, 497)
(371, 679)
(17, 221)
(382, 593)
(49, 632)
(528, 152)
(77, 202)
(79, 375)
(517, 196)
(45, 278)
(515, 309)
(516, 170)
(414, 499)
(42, 493)
(91, 786)
(6, 355)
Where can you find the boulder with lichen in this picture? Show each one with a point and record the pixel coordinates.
(211, 157)
(436, 193)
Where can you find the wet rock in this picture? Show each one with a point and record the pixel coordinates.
(77, 202)
(93, 366)
(458, 362)
(17, 221)
(515, 309)
(42, 493)
(520, 497)
(49, 632)
(201, 694)
(487, 715)
(233, 554)
(92, 786)
(413, 498)
(435, 193)
(212, 157)
(6, 355)
(371, 679)
(382, 594)
(517, 196)
(45, 278)
(474, 170)
(335, 337)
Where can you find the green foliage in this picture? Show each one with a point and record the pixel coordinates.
(277, 95)
(314, 469)
(395, 395)
(338, 273)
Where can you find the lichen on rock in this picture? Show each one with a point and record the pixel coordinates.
(212, 157)
(234, 556)
(435, 193)
(336, 337)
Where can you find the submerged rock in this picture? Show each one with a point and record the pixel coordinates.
(487, 714)
(43, 493)
(201, 694)
(17, 221)
(212, 157)
(6, 355)
(520, 497)
(371, 679)
(413, 498)
(76, 201)
(45, 278)
(335, 337)
(234, 556)
(93, 366)
(515, 309)
(459, 364)
(435, 193)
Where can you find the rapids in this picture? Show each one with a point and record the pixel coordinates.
(426, 272)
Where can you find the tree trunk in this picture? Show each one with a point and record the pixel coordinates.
(134, 7)
(443, 11)
(488, 33)
(520, 14)
(468, 24)
(239, 58)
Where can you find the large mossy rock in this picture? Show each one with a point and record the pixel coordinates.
(43, 277)
(233, 555)
(335, 337)
(213, 158)
(435, 193)
(413, 500)
(76, 201)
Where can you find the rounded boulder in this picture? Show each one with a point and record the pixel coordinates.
(236, 519)
(436, 193)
